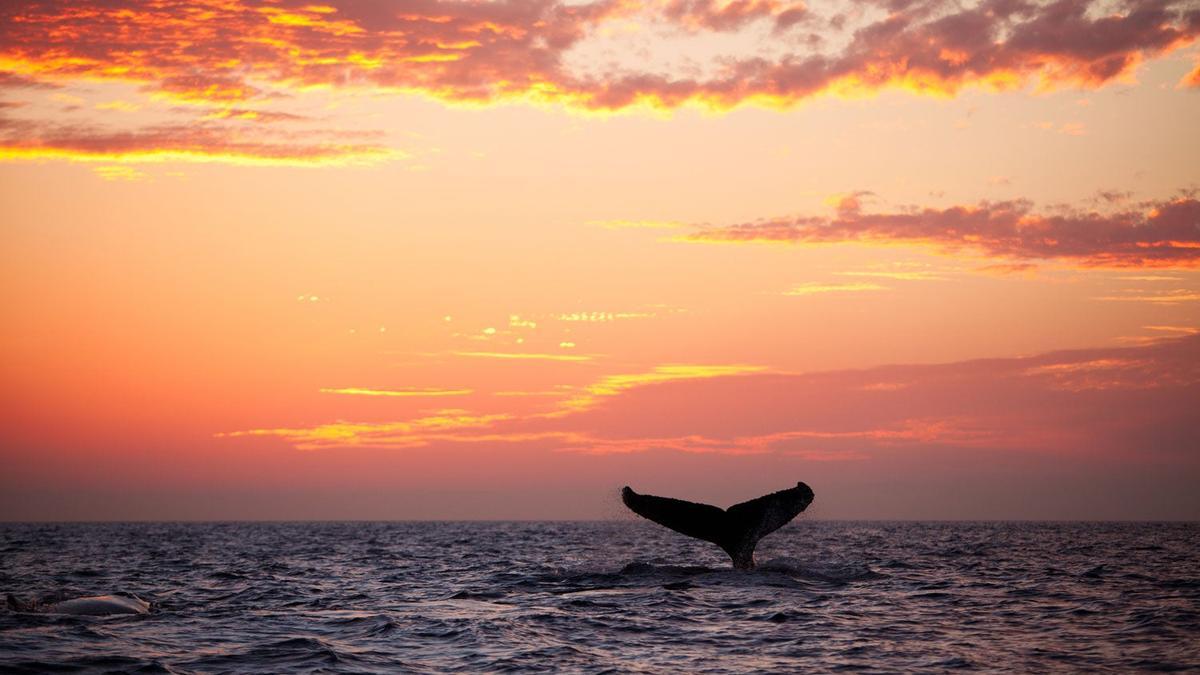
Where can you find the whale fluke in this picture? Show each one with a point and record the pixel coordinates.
(736, 529)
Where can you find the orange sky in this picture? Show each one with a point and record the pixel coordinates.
(451, 259)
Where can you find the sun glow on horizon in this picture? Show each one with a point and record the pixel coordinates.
(520, 252)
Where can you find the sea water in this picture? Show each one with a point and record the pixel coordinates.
(605, 597)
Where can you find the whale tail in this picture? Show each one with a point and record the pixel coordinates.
(736, 530)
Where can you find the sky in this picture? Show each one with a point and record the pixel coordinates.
(460, 259)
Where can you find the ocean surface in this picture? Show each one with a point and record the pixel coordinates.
(605, 597)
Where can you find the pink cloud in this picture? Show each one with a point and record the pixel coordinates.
(237, 53)
(1156, 234)
(457, 50)
(1113, 402)
(220, 139)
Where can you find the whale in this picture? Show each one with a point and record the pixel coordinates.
(737, 529)
(96, 605)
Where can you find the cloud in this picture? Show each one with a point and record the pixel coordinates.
(1065, 402)
(356, 391)
(1009, 269)
(119, 106)
(225, 59)
(10, 80)
(525, 356)
(1133, 403)
(1172, 297)
(1185, 330)
(720, 15)
(410, 433)
(1150, 277)
(1073, 129)
(601, 317)
(1160, 334)
(231, 51)
(118, 172)
(636, 224)
(196, 142)
(1191, 80)
(815, 288)
(1114, 196)
(612, 385)
(1158, 234)
(246, 114)
(898, 276)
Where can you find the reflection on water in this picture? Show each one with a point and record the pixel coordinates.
(365, 597)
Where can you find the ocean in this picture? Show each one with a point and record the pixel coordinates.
(624, 596)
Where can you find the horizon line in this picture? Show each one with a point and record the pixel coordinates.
(198, 521)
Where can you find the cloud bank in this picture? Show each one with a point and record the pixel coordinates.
(232, 51)
(1118, 403)
(1153, 234)
(225, 60)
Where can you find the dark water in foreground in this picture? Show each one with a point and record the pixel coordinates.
(370, 597)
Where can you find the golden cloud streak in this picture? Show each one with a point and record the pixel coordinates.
(611, 385)
(325, 157)
(816, 288)
(1164, 298)
(637, 224)
(446, 426)
(357, 434)
(355, 391)
(898, 276)
(519, 356)
(895, 413)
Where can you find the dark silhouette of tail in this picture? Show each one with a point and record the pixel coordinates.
(736, 529)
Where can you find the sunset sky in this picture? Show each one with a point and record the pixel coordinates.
(267, 259)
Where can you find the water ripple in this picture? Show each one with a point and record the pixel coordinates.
(604, 597)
